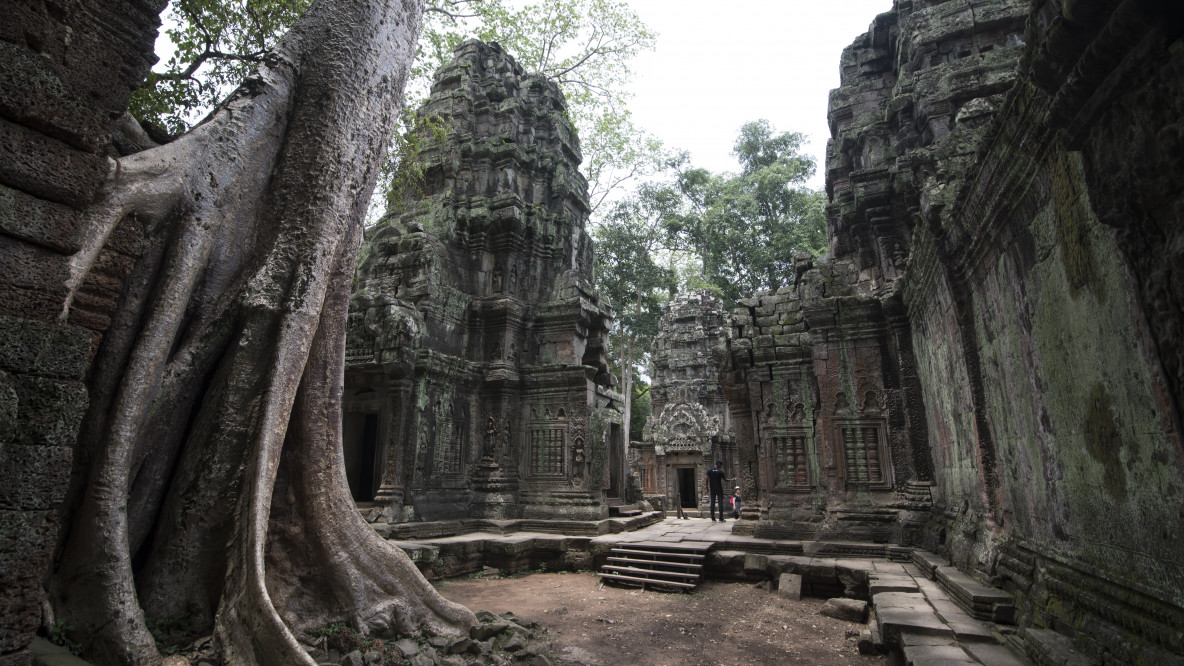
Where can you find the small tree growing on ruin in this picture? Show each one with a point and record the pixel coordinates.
(209, 489)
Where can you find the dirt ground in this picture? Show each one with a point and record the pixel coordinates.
(719, 623)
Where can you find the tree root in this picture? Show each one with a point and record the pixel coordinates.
(262, 205)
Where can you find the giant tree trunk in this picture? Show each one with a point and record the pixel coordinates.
(210, 490)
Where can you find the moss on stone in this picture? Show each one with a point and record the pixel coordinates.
(1104, 442)
(1072, 225)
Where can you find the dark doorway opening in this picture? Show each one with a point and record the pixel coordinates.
(686, 488)
(616, 463)
(361, 448)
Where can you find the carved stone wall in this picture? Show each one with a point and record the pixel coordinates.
(476, 383)
(820, 381)
(690, 426)
(1006, 177)
(66, 71)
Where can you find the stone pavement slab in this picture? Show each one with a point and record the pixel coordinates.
(902, 582)
(907, 639)
(937, 655)
(993, 655)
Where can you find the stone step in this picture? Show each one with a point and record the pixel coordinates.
(673, 557)
(646, 581)
(657, 563)
(900, 613)
(1048, 648)
(902, 582)
(653, 574)
(629, 561)
(928, 562)
(981, 601)
(623, 511)
(923, 650)
(682, 547)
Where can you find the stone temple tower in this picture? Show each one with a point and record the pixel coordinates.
(476, 383)
(690, 426)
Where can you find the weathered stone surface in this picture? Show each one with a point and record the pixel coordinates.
(790, 586)
(1002, 186)
(937, 655)
(48, 224)
(48, 168)
(45, 350)
(851, 610)
(26, 544)
(47, 470)
(487, 631)
(408, 647)
(477, 384)
(66, 70)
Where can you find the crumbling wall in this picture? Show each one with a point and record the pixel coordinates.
(690, 425)
(475, 336)
(66, 71)
(1027, 156)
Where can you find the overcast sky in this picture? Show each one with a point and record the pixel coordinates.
(719, 64)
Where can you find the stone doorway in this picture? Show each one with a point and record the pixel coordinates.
(685, 489)
(360, 447)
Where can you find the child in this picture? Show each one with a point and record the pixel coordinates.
(736, 502)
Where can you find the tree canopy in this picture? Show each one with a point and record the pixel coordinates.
(585, 46)
(732, 233)
(745, 228)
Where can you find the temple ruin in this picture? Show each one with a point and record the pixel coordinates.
(476, 382)
(689, 426)
(986, 373)
(987, 366)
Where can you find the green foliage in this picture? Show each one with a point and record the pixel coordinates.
(632, 269)
(170, 636)
(327, 630)
(59, 635)
(746, 228)
(585, 46)
(640, 412)
(630, 258)
(217, 43)
(403, 173)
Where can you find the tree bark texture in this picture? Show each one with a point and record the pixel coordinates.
(210, 491)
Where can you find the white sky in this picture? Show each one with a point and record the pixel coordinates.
(719, 64)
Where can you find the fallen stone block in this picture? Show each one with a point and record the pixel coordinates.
(865, 644)
(408, 647)
(790, 585)
(487, 630)
(850, 610)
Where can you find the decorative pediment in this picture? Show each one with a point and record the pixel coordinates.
(684, 426)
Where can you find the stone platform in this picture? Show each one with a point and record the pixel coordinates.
(920, 607)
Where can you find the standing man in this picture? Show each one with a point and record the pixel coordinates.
(715, 485)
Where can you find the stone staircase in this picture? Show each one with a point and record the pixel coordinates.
(660, 565)
(935, 614)
(618, 510)
(983, 602)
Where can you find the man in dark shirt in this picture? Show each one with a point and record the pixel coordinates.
(715, 484)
